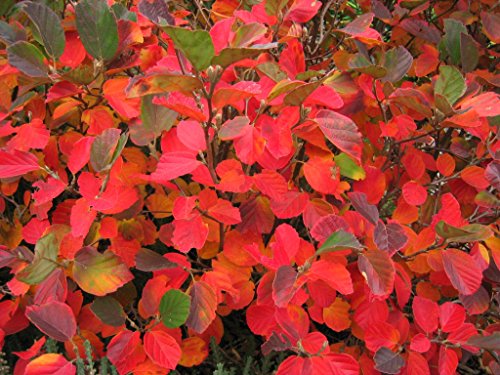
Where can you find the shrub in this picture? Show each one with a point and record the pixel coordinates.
(302, 186)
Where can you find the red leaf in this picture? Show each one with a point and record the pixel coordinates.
(426, 313)
(74, 52)
(327, 225)
(162, 349)
(62, 89)
(189, 234)
(33, 350)
(417, 365)
(192, 135)
(17, 163)
(342, 364)
(448, 361)
(334, 274)
(80, 154)
(292, 59)
(303, 10)
(203, 306)
(295, 366)
(122, 351)
(381, 334)
(48, 190)
(260, 319)
(51, 363)
(285, 246)
(378, 270)
(451, 316)
(271, 183)
(284, 285)
(82, 217)
(235, 94)
(174, 164)
(420, 343)
(225, 212)
(414, 165)
(474, 176)
(34, 229)
(461, 269)
(55, 319)
(390, 237)
(292, 205)
(324, 96)
(341, 131)
(414, 193)
(32, 135)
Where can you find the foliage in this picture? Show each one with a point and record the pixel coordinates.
(312, 186)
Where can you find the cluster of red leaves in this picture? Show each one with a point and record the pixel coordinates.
(323, 166)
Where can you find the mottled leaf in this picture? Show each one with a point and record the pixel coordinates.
(203, 306)
(99, 274)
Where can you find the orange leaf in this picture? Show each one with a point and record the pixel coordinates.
(50, 363)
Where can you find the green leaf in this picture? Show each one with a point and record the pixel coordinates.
(349, 168)
(486, 199)
(27, 58)
(44, 262)
(196, 45)
(122, 141)
(397, 63)
(339, 241)
(97, 28)
(469, 53)
(5, 6)
(48, 26)
(155, 119)
(450, 83)
(451, 39)
(361, 64)
(467, 233)
(229, 56)
(282, 87)
(174, 308)
(10, 34)
(273, 7)
(109, 311)
(271, 70)
(122, 13)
